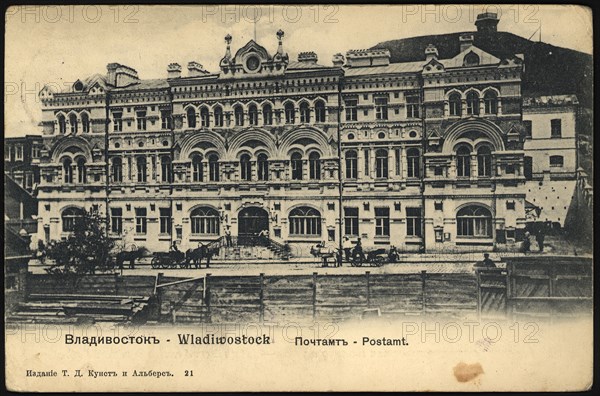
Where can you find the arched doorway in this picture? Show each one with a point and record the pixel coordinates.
(251, 221)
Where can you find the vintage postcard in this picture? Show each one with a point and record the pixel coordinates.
(298, 198)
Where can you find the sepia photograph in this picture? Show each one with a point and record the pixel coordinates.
(298, 198)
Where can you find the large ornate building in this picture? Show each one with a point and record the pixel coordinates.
(424, 155)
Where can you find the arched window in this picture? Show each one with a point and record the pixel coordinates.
(62, 124)
(263, 167)
(296, 162)
(490, 100)
(142, 171)
(471, 59)
(218, 113)
(267, 114)
(73, 122)
(67, 170)
(204, 117)
(413, 162)
(165, 169)
(455, 105)
(85, 123)
(70, 218)
(463, 162)
(484, 161)
(351, 165)
(252, 115)
(304, 113)
(117, 170)
(381, 163)
(238, 112)
(290, 116)
(213, 167)
(472, 103)
(474, 221)
(197, 168)
(245, 167)
(81, 171)
(204, 221)
(314, 165)
(319, 111)
(191, 117)
(305, 221)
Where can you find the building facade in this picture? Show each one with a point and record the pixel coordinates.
(425, 156)
(551, 156)
(21, 160)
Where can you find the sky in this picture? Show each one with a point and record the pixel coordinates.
(59, 44)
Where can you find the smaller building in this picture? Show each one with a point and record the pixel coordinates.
(21, 160)
(550, 124)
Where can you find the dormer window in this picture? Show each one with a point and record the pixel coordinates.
(78, 86)
(471, 59)
(252, 63)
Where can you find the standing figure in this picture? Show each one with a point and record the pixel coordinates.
(486, 263)
(526, 245)
(539, 237)
(393, 254)
(228, 241)
(347, 246)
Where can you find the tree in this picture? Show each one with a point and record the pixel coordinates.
(85, 251)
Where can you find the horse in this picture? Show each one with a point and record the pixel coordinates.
(196, 255)
(325, 252)
(130, 256)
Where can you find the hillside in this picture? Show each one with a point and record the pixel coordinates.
(549, 70)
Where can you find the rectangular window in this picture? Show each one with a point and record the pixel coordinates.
(116, 220)
(397, 153)
(165, 220)
(118, 122)
(366, 162)
(165, 169)
(351, 221)
(141, 120)
(35, 152)
(527, 124)
(556, 161)
(412, 106)
(19, 153)
(555, 129)
(165, 119)
(382, 221)
(7, 152)
(413, 222)
(381, 108)
(141, 221)
(351, 109)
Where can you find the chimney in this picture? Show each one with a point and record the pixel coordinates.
(487, 22)
(431, 53)
(309, 58)
(466, 41)
(195, 69)
(338, 60)
(367, 57)
(174, 70)
(120, 75)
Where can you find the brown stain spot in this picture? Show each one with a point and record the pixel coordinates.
(467, 372)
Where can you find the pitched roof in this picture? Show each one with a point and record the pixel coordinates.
(549, 70)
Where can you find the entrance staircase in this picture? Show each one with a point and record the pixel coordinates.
(251, 248)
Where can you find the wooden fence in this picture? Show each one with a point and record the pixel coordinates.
(261, 298)
(537, 287)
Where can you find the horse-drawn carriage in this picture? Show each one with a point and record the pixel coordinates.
(174, 259)
(374, 258)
